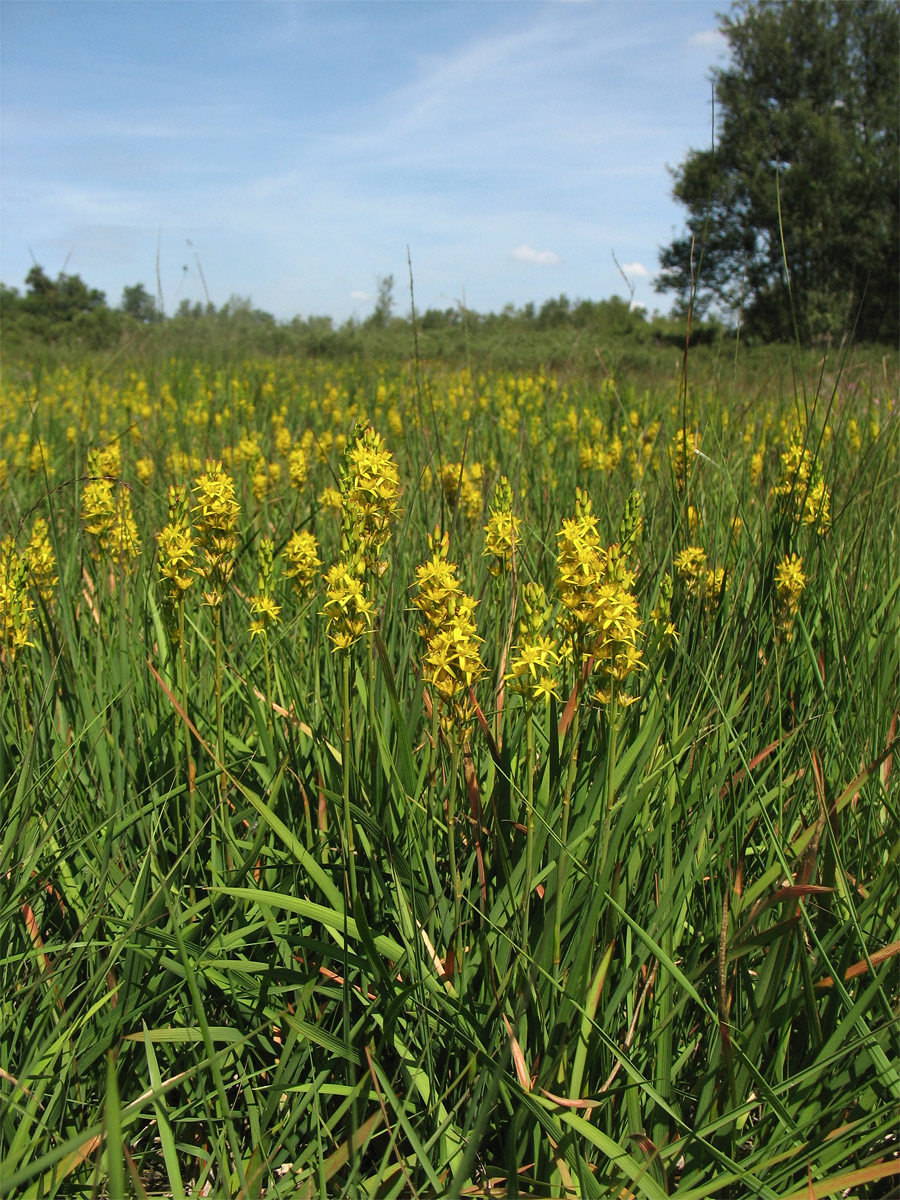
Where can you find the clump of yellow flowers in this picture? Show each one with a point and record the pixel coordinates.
(462, 486)
(789, 586)
(452, 662)
(175, 562)
(34, 568)
(702, 582)
(106, 510)
(370, 495)
(16, 603)
(535, 659)
(501, 534)
(347, 608)
(369, 498)
(600, 612)
(303, 562)
(216, 513)
(801, 491)
(41, 561)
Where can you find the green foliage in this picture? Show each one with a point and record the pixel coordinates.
(139, 304)
(805, 168)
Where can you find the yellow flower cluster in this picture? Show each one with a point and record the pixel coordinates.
(302, 554)
(703, 582)
(462, 486)
(16, 603)
(41, 561)
(263, 609)
(216, 514)
(501, 534)
(298, 466)
(801, 490)
(789, 585)
(600, 610)
(347, 607)
(266, 478)
(531, 671)
(106, 510)
(370, 495)
(452, 662)
(597, 456)
(175, 560)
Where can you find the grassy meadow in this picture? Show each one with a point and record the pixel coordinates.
(423, 779)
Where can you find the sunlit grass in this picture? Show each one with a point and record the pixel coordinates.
(441, 782)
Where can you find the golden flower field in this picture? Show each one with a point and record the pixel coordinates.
(425, 781)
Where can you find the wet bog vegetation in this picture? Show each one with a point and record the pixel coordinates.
(430, 778)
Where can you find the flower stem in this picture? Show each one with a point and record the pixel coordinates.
(345, 768)
(563, 861)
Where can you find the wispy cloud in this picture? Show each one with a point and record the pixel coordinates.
(709, 39)
(545, 258)
(636, 268)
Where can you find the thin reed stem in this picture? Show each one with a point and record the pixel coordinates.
(346, 731)
(563, 858)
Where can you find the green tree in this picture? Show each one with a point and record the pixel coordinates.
(59, 300)
(807, 109)
(138, 303)
(384, 304)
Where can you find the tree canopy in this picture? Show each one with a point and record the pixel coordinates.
(805, 168)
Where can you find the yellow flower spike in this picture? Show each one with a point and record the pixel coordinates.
(451, 664)
(41, 561)
(263, 609)
(801, 492)
(790, 583)
(347, 608)
(216, 513)
(16, 604)
(302, 555)
(501, 534)
(601, 618)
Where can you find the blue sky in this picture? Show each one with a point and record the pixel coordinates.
(295, 150)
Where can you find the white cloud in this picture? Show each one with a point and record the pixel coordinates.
(636, 268)
(525, 253)
(355, 295)
(709, 39)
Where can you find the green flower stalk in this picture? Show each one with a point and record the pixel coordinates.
(600, 618)
(176, 552)
(175, 567)
(531, 675)
(264, 612)
(451, 666)
(263, 609)
(216, 513)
